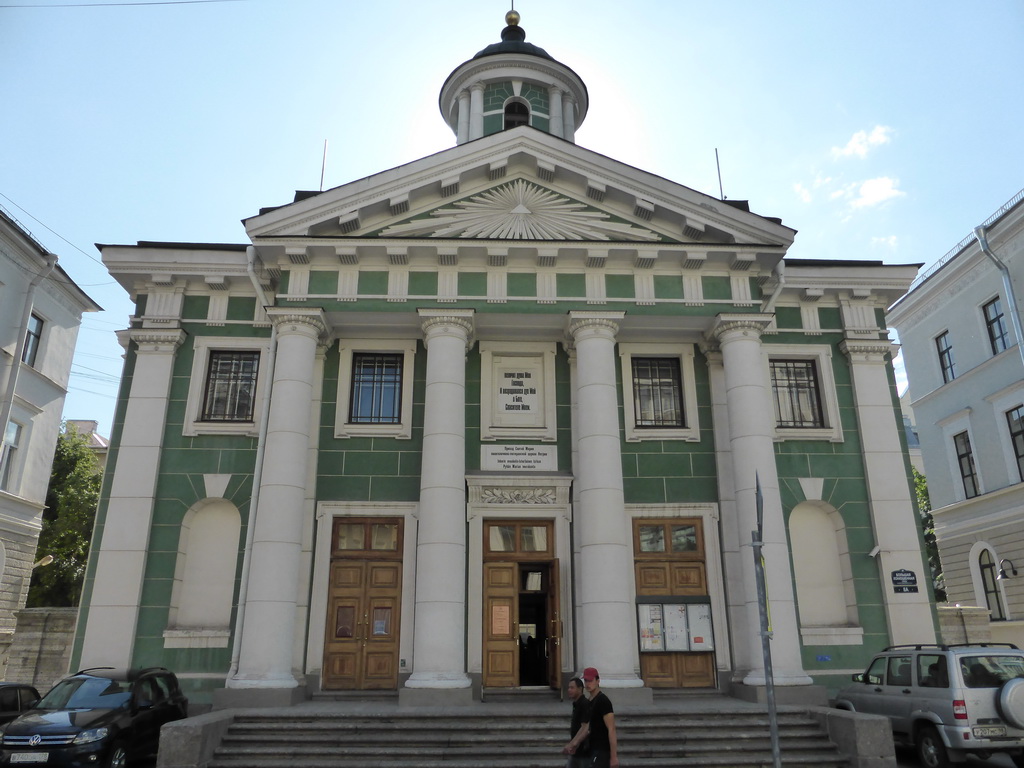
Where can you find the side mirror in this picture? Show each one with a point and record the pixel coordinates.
(858, 677)
(143, 704)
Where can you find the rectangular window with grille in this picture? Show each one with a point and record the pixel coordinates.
(1015, 420)
(995, 323)
(376, 388)
(230, 386)
(965, 460)
(944, 347)
(657, 392)
(797, 394)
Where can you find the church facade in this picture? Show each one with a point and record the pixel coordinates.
(498, 414)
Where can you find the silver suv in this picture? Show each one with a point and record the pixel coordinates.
(947, 701)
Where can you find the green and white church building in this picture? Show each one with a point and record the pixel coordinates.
(481, 420)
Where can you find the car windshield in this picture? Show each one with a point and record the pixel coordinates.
(85, 693)
(990, 670)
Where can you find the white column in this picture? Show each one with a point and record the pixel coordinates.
(750, 411)
(120, 569)
(606, 620)
(568, 117)
(462, 136)
(439, 632)
(555, 118)
(476, 111)
(265, 655)
(892, 510)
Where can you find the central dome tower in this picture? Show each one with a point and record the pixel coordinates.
(513, 83)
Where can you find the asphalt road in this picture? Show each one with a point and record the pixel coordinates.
(905, 758)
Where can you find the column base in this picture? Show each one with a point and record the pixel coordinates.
(438, 680)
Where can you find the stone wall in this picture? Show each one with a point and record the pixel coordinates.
(964, 623)
(41, 649)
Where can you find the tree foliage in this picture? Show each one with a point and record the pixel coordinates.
(924, 509)
(71, 502)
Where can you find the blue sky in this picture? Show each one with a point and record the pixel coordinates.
(879, 130)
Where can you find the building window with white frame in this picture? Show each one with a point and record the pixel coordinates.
(230, 386)
(33, 339)
(995, 324)
(657, 393)
(375, 383)
(8, 455)
(994, 601)
(797, 394)
(965, 460)
(944, 347)
(376, 396)
(1015, 421)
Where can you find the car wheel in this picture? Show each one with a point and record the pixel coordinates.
(117, 758)
(1010, 702)
(930, 750)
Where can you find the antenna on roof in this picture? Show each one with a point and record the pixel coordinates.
(718, 165)
(323, 166)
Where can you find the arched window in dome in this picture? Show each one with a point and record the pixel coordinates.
(516, 113)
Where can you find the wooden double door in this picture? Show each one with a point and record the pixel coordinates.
(364, 606)
(522, 622)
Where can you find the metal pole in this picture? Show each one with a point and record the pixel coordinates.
(766, 650)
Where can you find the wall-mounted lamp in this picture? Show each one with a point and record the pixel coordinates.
(1003, 570)
(43, 561)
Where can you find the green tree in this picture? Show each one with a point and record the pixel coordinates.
(71, 501)
(931, 548)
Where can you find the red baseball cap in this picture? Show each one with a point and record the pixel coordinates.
(590, 673)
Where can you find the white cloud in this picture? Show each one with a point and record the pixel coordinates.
(884, 242)
(802, 192)
(862, 141)
(876, 191)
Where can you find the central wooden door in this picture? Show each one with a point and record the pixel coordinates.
(364, 605)
(501, 625)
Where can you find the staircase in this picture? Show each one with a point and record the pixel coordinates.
(513, 738)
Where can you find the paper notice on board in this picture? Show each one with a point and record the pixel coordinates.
(676, 637)
(701, 638)
(651, 638)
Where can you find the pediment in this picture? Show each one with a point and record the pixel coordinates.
(521, 184)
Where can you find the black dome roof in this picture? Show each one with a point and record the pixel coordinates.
(513, 40)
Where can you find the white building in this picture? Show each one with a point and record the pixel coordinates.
(498, 414)
(40, 313)
(963, 357)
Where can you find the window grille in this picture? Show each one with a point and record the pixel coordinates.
(797, 394)
(657, 392)
(231, 386)
(376, 389)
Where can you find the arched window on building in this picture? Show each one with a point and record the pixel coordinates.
(516, 113)
(826, 598)
(204, 574)
(987, 577)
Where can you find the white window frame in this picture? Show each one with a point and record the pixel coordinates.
(951, 426)
(1002, 402)
(822, 356)
(537, 353)
(9, 453)
(347, 348)
(201, 348)
(684, 353)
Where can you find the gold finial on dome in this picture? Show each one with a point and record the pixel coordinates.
(512, 18)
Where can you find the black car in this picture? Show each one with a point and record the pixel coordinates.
(15, 698)
(96, 717)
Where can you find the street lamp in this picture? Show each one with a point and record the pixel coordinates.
(1002, 570)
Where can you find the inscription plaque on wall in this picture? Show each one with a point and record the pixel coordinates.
(518, 391)
(518, 458)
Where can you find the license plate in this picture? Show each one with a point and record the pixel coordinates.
(29, 757)
(983, 732)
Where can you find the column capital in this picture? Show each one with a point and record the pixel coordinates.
(876, 351)
(157, 342)
(478, 86)
(738, 325)
(589, 324)
(298, 320)
(447, 321)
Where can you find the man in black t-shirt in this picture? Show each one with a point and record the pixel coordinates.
(604, 745)
(580, 718)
